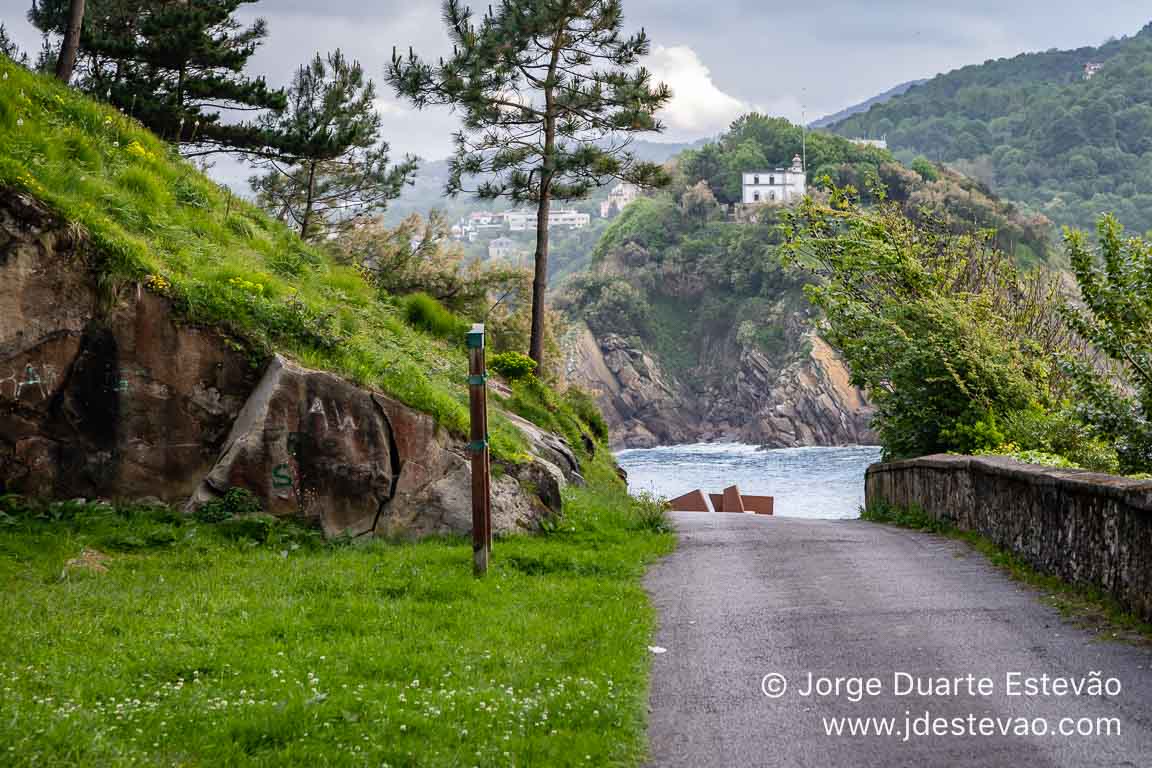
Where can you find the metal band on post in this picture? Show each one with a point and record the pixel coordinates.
(481, 466)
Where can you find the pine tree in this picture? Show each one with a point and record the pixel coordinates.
(70, 46)
(333, 167)
(175, 66)
(550, 93)
(9, 48)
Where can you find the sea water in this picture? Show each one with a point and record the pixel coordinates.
(806, 482)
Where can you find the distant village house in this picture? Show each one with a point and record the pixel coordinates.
(508, 250)
(523, 220)
(618, 199)
(1091, 69)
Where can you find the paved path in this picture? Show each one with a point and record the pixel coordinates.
(746, 596)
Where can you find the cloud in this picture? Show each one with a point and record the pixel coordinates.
(825, 54)
(698, 107)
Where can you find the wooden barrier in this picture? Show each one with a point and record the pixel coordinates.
(731, 501)
(689, 502)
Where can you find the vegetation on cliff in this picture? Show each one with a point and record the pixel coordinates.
(677, 270)
(152, 217)
(961, 350)
(1038, 129)
(1115, 396)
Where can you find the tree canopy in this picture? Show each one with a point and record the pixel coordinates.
(549, 93)
(332, 166)
(176, 67)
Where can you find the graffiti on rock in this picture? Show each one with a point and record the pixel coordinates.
(344, 421)
(36, 380)
(282, 476)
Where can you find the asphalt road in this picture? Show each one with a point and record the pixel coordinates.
(744, 597)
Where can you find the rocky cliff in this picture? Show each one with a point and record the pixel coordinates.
(106, 393)
(735, 394)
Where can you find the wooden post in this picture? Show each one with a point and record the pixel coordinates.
(481, 468)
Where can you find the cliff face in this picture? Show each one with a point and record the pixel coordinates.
(106, 393)
(808, 401)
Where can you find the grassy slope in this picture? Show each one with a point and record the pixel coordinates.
(199, 646)
(306, 653)
(154, 217)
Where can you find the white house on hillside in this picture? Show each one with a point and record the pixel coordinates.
(783, 185)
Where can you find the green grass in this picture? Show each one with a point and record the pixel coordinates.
(219, 644)
(426, 313)
(1082, 604)
(154, 218)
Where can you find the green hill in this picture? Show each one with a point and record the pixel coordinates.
(704, 333)
(1038, 129)
(864, 106)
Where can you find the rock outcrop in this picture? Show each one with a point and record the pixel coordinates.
(736, 394)
(104, 393)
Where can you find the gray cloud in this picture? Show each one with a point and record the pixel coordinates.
(823, 54)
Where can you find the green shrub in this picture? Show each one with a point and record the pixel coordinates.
(236, 502)
(8, 115)
(427, 314)
(258, 528)
(913, 516)
(242, 226)
(513, 366)
(945, 351)
(586, 409)
(973, 434)
(1059, 435)
(926, 168)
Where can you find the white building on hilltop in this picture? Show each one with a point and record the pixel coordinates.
(781, 186)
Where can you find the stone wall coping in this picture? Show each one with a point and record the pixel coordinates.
(1135, 493)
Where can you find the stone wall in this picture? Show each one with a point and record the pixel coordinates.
(1083, 527)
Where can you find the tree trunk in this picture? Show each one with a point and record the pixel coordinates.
(540, 278)
(543, 208)
(71, 44)
(306, 219)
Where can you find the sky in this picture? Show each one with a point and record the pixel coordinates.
(722, 58)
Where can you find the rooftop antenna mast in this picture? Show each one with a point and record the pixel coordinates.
(804, 130)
